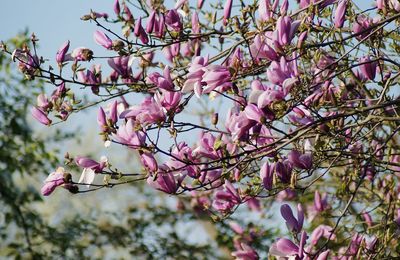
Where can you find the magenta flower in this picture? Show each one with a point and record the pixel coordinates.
(173, 20)
(267, 175)
(127, 135)
(54, 180)
(254, 113)
(301, 161)
(120, 65)
(164, 82)
(322, 231)
(163, 181)
(361, 26)
(195, 23)
(61, 53)
(293, 224)
(140, 32)
(368, 69)
(320, 204)
(195, 75)
(85, 162)
(159, 26)
(227, 11)
(82, 54)
(216, 76)
(206, 146)
(102, 39)
(43, 102)
(40, 116)
(340, 13)
(245, 252)
(261, 47)
(151, 22)
(285, 30)
(200, 4)
(148, 161)
(284, 171)
(264, 10)
(148, 112)
(114, 112)
(226, 199)
(280, 71)
(117, 8)
(169, 99)
(285, 248)
(102, 120)
(211, 178)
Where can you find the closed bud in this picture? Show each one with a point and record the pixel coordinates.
(214, 119)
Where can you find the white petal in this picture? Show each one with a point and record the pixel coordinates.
(87, 177)
(107, 143)
(132, 58)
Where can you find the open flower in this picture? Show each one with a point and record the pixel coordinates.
(90, 168)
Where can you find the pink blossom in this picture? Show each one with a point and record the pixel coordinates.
(340, 13)
(163, 181)
(227, 198)
(261, 48)
(54, 180)
(61, 53)
(149, 161)
(227, 11)
(40, 116)
(293, 224)
(267, 175)
(368, 68)
(127, 135)
(301, 161)
(82, 54)
(102, 39)
(173, 20)
(164, 82)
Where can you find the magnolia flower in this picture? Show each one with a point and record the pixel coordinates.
(151, 22)
(148, 161)
(164, 82)
(301, 161)
(90, 168)
(102, 39)
(293, 224)
(54, 180)
(285, 248)
(368, 68)
(226, 199)
(267, 175)
(82, 54)
(340, 13)
(140, 32)
(117, 8)
(245, 252)
(285, 30)
(120, 65)
(322, 231)
(127, 135)
(164, 180)
(261, 48)
(227, 11)
(40, 116)
(61, 53)
(173, 20)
